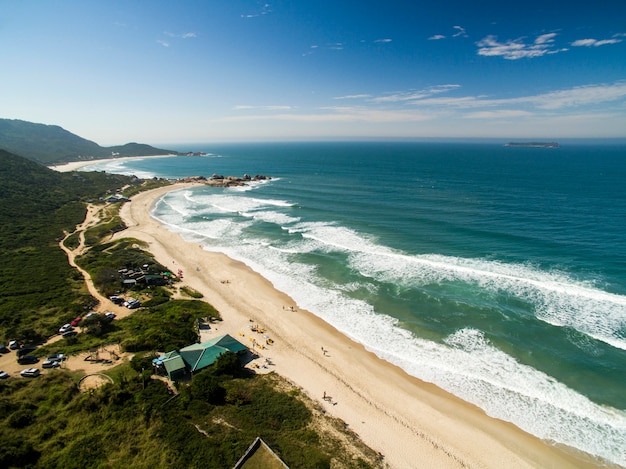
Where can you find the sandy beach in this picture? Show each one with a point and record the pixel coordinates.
(76, 165)
(411, 423)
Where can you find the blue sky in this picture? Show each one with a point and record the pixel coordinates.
(244, 70)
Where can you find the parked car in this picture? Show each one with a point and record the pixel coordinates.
(67, 334)
(56, 356)
(4, 375)
(14, 345)
(51, 364)
(109, 315)
(27, 360)
(25, 351)
(4, 349)
(64, 328)
(75, 322)
(30, 372)
(89, 314)
(118, 300)
(132, 304)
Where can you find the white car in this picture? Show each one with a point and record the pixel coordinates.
(30, 372)
(4, 375)
(65, 328)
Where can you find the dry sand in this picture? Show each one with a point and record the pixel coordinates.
(412, 423)
(76, 165)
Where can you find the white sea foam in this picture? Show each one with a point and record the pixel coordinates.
(466, 364)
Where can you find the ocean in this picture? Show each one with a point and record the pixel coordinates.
(497, 273)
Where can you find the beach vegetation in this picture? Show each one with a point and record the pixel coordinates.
(191, 292)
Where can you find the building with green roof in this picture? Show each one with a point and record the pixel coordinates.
(195, 357)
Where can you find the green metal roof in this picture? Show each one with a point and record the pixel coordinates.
(199, 356)
(174, 364)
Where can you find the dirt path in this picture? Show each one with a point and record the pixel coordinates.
(113, 355)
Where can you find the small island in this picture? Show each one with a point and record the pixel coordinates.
(533, 144)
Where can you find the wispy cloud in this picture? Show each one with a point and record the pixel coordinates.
(499, 114)
(459, 32)
(188, 35)
(436, 98)
(266, 9)
(245, 107)
(354, 96)
(382, 41)
(578, 96)
(407, 96)
(616, 39)
(163, 43)
(515, 49)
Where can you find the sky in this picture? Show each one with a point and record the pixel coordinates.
(157, 72)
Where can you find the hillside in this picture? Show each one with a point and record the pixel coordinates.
(37, 205)
(51, 144)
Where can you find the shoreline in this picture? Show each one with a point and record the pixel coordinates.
(76, 165)
(411, 422)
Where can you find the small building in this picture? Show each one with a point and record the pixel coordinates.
(195, 357)
(259, 454)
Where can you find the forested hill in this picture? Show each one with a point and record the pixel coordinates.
(35, 200)
(37, 205)
(51, 144)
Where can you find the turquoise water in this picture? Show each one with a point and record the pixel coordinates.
(497, 273)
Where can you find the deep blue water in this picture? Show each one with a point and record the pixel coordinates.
(497, 273)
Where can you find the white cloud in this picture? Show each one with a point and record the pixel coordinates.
(265, 10)
(514, 49)
(500, 114)
(580, 96)
(595, 42)
(460, 31)
(436, 37)
(382, 41)
(163, 43)
(263, 108)
(354, 96)
(408, 96)
(576, 97)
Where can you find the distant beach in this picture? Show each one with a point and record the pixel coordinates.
(76, 165)
(412, 423)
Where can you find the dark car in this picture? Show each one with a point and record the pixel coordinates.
(27, 360)
(67, 334)
(25, 351)
(118, 300)
(4, 349)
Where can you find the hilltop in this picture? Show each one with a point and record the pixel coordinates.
(51, 144)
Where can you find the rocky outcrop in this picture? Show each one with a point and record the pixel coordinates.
(225, 181)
